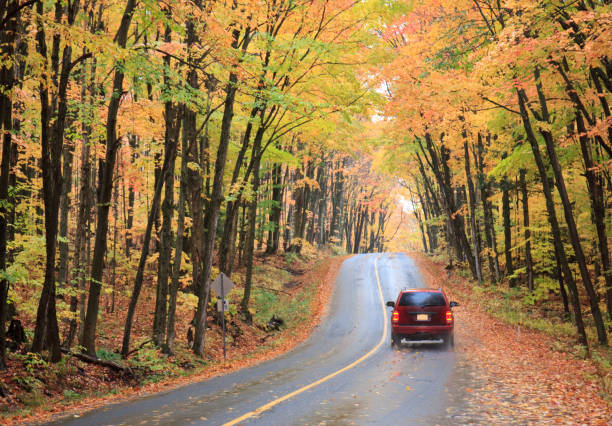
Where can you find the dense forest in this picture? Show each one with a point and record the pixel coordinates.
(179, 137)
(161, 143)
(502, 134)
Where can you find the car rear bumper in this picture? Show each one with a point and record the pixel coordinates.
(422, 332)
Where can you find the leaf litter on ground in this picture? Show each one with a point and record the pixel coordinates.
(517, 380)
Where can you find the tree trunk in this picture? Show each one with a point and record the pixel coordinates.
(443, 177)
(215, 204)
(62, 276)
(169, 155)
(559, 273)
(82, 227)
(337, 200)
(569, 218)
(172, 122)
(252, 217)
(527, 232)
(472, 205)
(232, 246)
(597, 207)
(506, 186)
(133, 141)
(105, 187)
(231, 212)
(490, 236)
(276, 210)
(7, 82)
(165, 247)
(82, 220)
(552, 219)
(178, 249)
(300, 197)
(359, 228)
(46, 332)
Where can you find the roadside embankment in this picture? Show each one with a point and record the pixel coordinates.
(292, 289)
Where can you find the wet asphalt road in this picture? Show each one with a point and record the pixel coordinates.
(417, 384)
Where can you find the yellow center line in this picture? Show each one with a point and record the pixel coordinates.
(277, 401)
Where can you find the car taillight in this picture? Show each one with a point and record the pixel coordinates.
(395, 316)
(449, 317)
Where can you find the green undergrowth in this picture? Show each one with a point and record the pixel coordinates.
(278, 290)
(292, 308)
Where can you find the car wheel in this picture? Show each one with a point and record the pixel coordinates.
(395, 340)
(448, 341)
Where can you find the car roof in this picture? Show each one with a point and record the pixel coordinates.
(430, 290)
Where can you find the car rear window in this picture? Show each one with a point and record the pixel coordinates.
(424, 298)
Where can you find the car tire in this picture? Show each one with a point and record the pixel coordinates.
(395, 340)
(448, 341)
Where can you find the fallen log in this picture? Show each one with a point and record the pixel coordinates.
(97, 361)
(273, 289)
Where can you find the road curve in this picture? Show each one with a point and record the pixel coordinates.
(341, 375)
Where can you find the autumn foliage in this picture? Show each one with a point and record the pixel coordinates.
(148, 146)
(501, 135)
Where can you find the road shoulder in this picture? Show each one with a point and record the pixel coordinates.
(518, 376)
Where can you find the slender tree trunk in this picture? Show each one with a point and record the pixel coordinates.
(527, 232)
(133, 141)
(300, 198)
(276, 209)
(321, 237)
(215, 204)
(232, 246)
(337, 201)
(505, 186)
(231, 212)
(472, 205)
(52, 139)
(165, 248)
(488, 214)
(105, 187)
(8, 34)
(552, 219)
(252, 217)
(426, 218)
(169, 155)
(178, 250)
(113, 263)
(82, 228)
(62, 277)
(569, 218)
(559, 273)
(440, 168)
(167, 208)
(597, 206)
(242, 236)
(359, 228)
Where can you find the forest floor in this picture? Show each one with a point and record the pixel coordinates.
(32, 390)
(525, 368)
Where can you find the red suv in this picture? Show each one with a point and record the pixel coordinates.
(422, 314)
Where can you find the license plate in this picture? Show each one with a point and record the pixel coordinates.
(422, 317)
